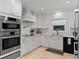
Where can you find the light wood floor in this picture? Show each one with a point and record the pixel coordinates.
(41, 53)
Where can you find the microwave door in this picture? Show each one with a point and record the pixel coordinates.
(10, 26)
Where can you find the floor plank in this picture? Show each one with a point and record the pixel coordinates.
(41, 53)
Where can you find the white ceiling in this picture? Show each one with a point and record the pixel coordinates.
(50, 5)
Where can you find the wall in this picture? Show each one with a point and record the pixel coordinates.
(38, 22)
(43, 21)
(28, 43)
(27, 20)
(70, 17)
(46, 20)
(78, 13)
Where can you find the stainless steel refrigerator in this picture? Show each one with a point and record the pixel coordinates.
(76, 34)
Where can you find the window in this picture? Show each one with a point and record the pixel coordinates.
(58, 25)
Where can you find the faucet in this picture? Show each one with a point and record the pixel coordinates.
(57, 33)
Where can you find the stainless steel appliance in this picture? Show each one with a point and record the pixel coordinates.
(9, 44)
(9, 34)
(9, 23)
(76, 34)
(13, 56)
(76, 47)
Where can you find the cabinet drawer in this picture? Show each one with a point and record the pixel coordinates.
(13, 56)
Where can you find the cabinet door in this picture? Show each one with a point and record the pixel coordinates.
(32, 44)
(53, 42)
(24, 46)
(60, 43)
(45, 41)
(16, 7)
(56, 42)
(5, 6)
(35, 41)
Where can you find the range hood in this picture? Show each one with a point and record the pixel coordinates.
(29, 15)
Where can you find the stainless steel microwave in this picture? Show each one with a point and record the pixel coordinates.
(6, 25)
(9, 23)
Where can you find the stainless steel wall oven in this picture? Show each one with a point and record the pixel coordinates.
(9, 34)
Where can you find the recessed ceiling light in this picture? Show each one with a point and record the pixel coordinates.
(42, 8)
(68, 2)
(76, 10)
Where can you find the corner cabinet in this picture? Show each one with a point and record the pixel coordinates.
(16, 7)
(28, 44)
(45, 41)
(5, 6)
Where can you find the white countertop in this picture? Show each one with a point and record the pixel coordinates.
(47, 35)
(68, 36)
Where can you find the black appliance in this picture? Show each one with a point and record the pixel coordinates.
(68, 48)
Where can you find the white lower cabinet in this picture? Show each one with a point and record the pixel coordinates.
(36, 42)
(28, 44)
(44, 41)
(31, 42)
(56, 42)
(60, 44)
(24, 46)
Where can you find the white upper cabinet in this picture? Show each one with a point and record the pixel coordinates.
(11, 7)
(5, 6)
(16, 6)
